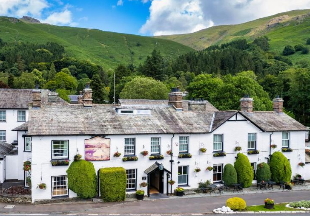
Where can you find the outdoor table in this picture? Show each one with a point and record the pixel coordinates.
(236, 186)
(271, 184)
(262, 185)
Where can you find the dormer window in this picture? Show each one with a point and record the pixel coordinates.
(133, 111)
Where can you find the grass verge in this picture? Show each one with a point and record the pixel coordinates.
(277, 207)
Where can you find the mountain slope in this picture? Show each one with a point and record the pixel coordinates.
(108, 49)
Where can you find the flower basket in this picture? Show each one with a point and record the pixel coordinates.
(27, 166)
(143, 184)
(179, 191)
(169, 152)
(287, 150)
(144, 153)
(42, 186)
(130, 158)
(302, 164)
(238, 148)
(197, 169)
(209, 168)
(269, 203)
(185, 155)
(140, 194)
(156, 157)
(171, 182)
(77, 157)
(253, 152)
(219, 154)
(203, 150)
(273, 146)
(60, 162)
(117, 154)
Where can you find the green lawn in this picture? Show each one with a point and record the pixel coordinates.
(277, 207)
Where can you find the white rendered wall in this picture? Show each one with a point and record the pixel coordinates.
(11, 170)
(2, 171)
(22, 155)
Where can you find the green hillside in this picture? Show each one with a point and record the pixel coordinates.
(107, 49)
(289, 28)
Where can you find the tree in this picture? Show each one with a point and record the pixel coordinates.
(229, 175)
(244, 170)
(262, 42)
(11, 81)
(280, 168)
(25, 81)
(263, 172)
(3, 85)
(288, 50)
(51, 72)
(144, 88)
(153, 66)
(99, 94)
(62, 81)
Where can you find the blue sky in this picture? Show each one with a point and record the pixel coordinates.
(147, 17)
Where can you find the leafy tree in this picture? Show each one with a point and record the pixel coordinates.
(51, 72)
(144, 88)
(229, 175)
(25, 81)
(288, 50)
(298, 47)
(244, 170)
(263, 172)
(62, 81)
(305, 50)
(82, 179)
(262, 42)
(98, 90)
(280, 168)
(11, 81)
(3, 85)
(153, 66)
(120, 72)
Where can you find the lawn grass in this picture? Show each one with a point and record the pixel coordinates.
(277, 207)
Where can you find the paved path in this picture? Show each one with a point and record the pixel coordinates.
(189, 204)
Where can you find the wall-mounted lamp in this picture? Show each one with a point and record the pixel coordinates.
(178, 162)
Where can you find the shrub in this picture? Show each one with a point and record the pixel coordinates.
(288, 50)
(263, 172)
(204, 184)
(229, 175)
(299, 204)
(305, 50)
(244, 170)
(280, 168)
(82, 179)
(112, 184)
(236, 203)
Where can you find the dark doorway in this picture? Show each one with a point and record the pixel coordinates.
(156, 181)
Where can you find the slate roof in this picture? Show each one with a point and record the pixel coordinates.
(23, 127)
(5, 149)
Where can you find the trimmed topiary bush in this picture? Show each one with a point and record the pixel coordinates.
(280, 168)
(244, 170)
(229, 175)
(82, 179)
(236, 203)
(112, 184)
(263, 172)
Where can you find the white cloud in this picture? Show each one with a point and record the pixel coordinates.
(21, 7)
(186, 16)
(60, 18)
(120, 3)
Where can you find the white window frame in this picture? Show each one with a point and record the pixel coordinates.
(2, 116)
(21, 115)
(28, 144)
(183, 175)
(285, 139)
(155, 145)
(130, 146)
(217, 142)
(60, 149)
(252, 138)
(217, 173)
(2, 135)
(131, 180)
(183, 144)
(60, 186)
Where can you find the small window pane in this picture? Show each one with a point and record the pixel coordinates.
(2, 116)
(130, 144)
(131, 179)
(183, 175)
(183, 144)
(60, 149)
(27, 143)
(155, 145)
(217, 172)
(252, 141)
(2, 135)
(59, 186)
(21, 116)
(217, 142)
(285, 139)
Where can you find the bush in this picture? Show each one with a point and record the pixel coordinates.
(299, 204)
(82, 179)
(288, 50)
(112, 184)
(244, 170)
(305, 50)
(236, 203)
(280, 168)
(263, 172)
(204, 184)
(229, 175)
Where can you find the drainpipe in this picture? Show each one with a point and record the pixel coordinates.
(270, 146)
(171, 161)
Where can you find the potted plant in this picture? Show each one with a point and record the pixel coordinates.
(60, 162)
(140, 194)
(269, 203)
(156, 157)
(197, 169)
(302, 164)
(77, 157)
(143, 184)
(117, 154)
(185, 155)
(130, 158)
(238, 148)
(42, 186)
(169, 152)
(171, 182)
(179, 191)
(273, 146)
(144, 153)
(255, 151)
(209, 168)
(287, 150)
(219, 154)
(203, 150)
(27, 166)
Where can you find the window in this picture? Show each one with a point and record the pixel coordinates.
(2, 116)
(285, 139)
(21, 116)
(183, 175)
(27, 179)
(155, 145)
(59, 186)
(252, 141)
(218, 142)
(60, 149)
(2, 135)
(217, 172)
(130, 146)
(131, 179)
(253, 165)
(183, 144)
(27, 144)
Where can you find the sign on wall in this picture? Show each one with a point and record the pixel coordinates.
(97, 149)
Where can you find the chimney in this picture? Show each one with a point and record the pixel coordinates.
(87, 97)
(246, 104)
(36, 98)
(52, 97)
(197, 105)
(278, 104)
(175, 99)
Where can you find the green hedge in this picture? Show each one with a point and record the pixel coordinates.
(244, 170)
(280, 168)
(82, 179)
(229, 175)
(263, 172)
(113, 184)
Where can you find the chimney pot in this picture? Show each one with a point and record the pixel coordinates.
(246, 104)
(278, 104)
(175, 99)
(36, 98)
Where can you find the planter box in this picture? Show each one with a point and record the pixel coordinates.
(287, 150)
(219, 154)
(140, 197)
(185, 155)
(130, 158)
(269, 206)
(179, 193)
(60, 162)
(253, 152)
(156, 157)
